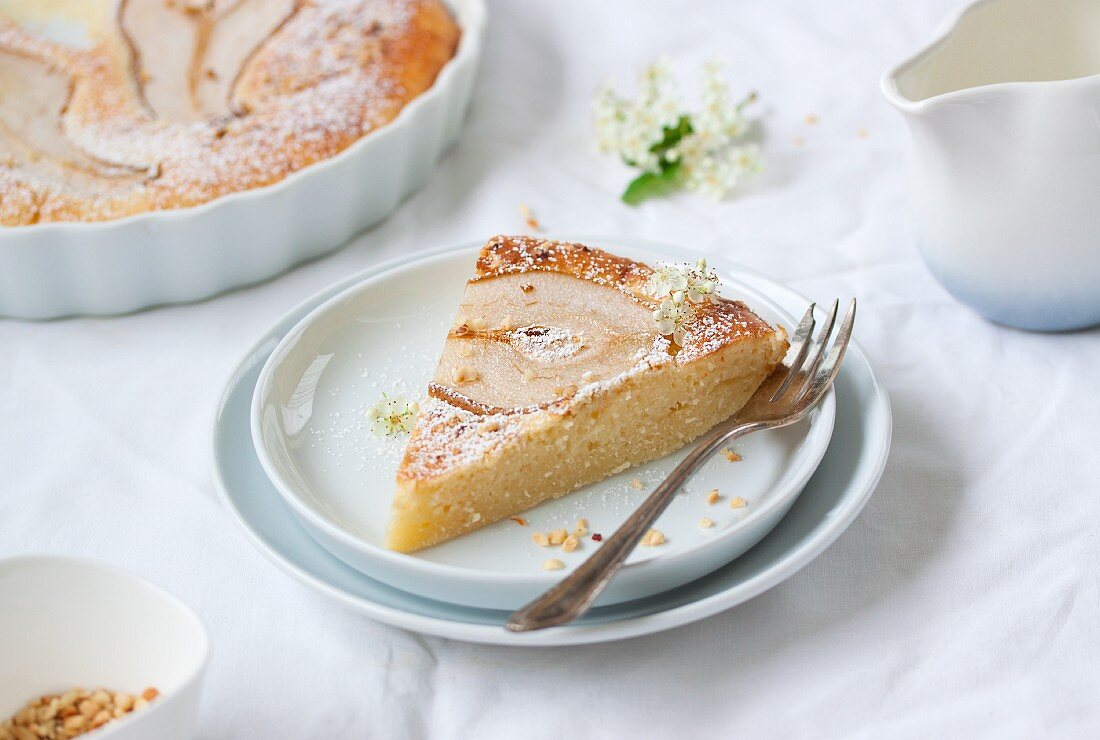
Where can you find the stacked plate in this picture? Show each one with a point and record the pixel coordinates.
(298, 467)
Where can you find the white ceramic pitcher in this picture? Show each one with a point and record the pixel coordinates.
(1004, 108)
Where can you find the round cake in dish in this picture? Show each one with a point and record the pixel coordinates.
(174, 103)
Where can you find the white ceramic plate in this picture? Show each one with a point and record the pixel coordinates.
(384, 335)
(831, 500)
(109, 267)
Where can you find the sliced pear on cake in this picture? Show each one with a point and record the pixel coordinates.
(554, 375)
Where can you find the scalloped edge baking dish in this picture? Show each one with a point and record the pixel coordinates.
(175, 256)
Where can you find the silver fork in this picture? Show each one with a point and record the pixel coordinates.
(788, 396)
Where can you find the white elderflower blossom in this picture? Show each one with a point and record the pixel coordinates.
(672, 315)
(666, 280)
(701, 282)
(696, 283)
(716, 167)
(630, 128)
(704, 151)
(677, 288)
(392, 416)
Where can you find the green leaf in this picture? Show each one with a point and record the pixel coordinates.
(652, 184)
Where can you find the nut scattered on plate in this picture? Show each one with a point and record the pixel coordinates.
(59, 716)
(738, 503)
(731, 455)
(652, 538)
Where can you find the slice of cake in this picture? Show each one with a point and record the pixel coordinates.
(567, 364)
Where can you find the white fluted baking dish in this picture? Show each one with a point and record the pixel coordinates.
(60, 269)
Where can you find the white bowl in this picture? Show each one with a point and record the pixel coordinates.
(61, 269)
(383, 335)
(67, 622)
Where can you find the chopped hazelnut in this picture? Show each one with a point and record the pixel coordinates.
(558, 536)
(706, 523)
(636, 484)
(570, 543)
(652, 538)
(488, 427)
(552, 564)
(713, 496)
(731, 455)
(540, 539)
(738, 503)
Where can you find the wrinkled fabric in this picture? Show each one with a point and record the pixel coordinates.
(964, 601)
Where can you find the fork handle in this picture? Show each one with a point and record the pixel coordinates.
(574, 595)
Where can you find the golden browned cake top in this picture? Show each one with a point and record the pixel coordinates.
(717, 322)
(177, 102)
(544, 325)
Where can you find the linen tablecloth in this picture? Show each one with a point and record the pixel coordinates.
(964, 601)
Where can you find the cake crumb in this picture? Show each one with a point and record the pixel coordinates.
(552, 564)
(652, 538)
(570, 544)
(706, 523)
(558, 536)
(731, 455)
(636, 484)
(529, 218)
(540, 539)
(738, 503)
(519, 520)
(713, 496)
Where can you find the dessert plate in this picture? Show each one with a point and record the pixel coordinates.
(832, 499)
(383, 336)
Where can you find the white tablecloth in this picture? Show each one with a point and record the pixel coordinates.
(963, 602)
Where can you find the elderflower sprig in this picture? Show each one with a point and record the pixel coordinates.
(706, 150)
(671, 316)
(392, 416)
(697, 283)
(677, 288)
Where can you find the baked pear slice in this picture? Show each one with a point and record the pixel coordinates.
(555, 375)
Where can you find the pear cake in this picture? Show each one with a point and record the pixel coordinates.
(554, 375)
(173, 103)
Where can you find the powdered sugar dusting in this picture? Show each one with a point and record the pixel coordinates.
(448, 437)
(333, 72)
(545, 343)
